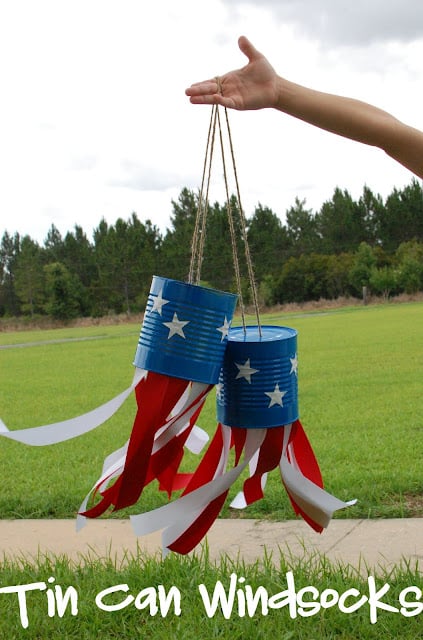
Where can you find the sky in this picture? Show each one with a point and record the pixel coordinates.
(94, 121)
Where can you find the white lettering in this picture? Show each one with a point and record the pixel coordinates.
(220, 597)
(287, 597)
(57, 600)
(253, 600)
(329, 598)
(113, 607)
(147, 598)
(165, 600)
(21, 591)
(351, 593)
(409, 609)
(308, 608)
(375, 599)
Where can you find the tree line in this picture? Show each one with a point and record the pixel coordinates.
(347, 245)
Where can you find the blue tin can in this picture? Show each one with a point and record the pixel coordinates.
(185, 330)
(258, 383)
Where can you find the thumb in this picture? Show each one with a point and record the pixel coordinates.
(248, 49)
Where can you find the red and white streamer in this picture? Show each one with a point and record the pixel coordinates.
(186, 520)
(155, 445)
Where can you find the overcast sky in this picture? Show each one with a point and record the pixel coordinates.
(94, 121)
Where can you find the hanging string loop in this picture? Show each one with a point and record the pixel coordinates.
(199, 235)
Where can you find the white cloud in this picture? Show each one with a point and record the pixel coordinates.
(142, 177)
(95, 121)
(342, 22)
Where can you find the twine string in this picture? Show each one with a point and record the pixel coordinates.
(198, 238)
(206, 203)
(243, 227)
(232, 229)
(199, 235)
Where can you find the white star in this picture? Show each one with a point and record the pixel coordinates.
(176, 326)
(224, 329)
(158, 303)
(245, 371)
(294, 365)
(275, 396)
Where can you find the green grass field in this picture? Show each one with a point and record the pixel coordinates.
(361, 405)
(360, 401)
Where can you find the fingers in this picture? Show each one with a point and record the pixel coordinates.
(248, 49)
(209, 88)
(205, 88)
(207, 92)
(215, 98)
(206, 99)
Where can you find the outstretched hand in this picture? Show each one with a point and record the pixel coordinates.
(255, 86)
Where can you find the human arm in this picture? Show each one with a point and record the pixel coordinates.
(355, 120)
(258, 86)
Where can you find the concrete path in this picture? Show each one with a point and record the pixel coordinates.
(371, 546)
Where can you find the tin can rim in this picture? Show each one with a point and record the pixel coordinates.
(196, 287)
(266, 333)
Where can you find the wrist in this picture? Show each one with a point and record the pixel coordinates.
(284, 94)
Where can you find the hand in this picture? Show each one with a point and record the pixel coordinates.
(255, 86)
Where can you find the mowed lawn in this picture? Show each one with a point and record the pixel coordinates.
(360, 395)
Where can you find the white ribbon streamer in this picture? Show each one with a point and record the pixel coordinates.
(183, 511)
(318, 504)
(175, 530)
(68, 429)
(239, 502)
